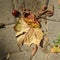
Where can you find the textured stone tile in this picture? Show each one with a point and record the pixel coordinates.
(8, 41)
(6, 11)
(19, 56)
(33, 5)
(59, 56)
(40, 55)
(53, 57)
(56, 15)
(53, 31)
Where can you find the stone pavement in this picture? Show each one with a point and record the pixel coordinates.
(8, 43)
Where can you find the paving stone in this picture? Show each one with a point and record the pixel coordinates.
(53, 31)
(56, 15)
(33, 5)
(20, 56)
(53, 57)
(40, 55)
(53, 26)
(18, 4)
(8, 41)
(6, 12)
(58, 56)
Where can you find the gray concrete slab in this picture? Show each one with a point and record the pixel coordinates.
(8, 41)
(53, 57)
(53, 31)
(6, 12)
(56, 15)
(33, 5)
(40, 55)
(19, 56)
(59, 56)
